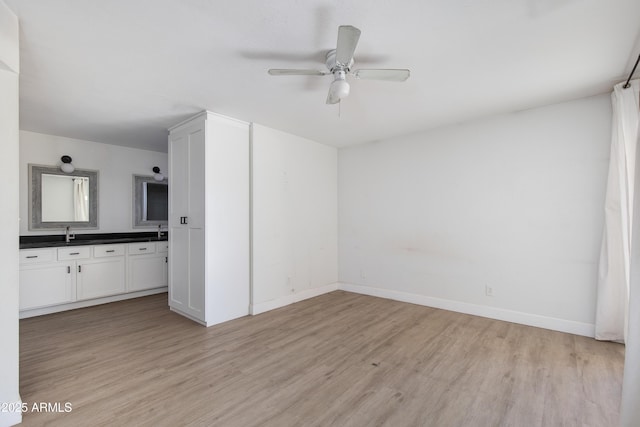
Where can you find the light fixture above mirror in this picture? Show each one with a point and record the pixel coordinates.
(157, 175)
(66, 165)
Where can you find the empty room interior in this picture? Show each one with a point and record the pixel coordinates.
(320, 213)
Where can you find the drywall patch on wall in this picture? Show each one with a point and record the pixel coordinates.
(504, 212)
(294, 219)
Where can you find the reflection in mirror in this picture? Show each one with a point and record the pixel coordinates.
(58, 200)
(155, 201)
(150, 201)
(65, 198)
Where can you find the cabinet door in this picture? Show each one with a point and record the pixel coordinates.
(186, 219)
(165, 270)
(186, 177)
(100, 277)
(186, 272)
(42, 285)
(163, 250)
(146, 272)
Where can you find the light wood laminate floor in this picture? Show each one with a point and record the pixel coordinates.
(339, 359)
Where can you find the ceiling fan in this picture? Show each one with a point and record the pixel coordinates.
(339, 62)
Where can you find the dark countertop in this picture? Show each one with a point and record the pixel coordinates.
(58, 240)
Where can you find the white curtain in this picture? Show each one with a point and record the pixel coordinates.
(81, 199)
(612, 310)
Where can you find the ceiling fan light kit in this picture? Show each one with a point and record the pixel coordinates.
(339, 62)
(339, 88)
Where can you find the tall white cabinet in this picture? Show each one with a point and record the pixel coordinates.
(209, 218)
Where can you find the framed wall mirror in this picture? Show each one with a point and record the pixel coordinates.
(58, 200)
(150, 201)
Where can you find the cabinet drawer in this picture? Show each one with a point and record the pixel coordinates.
(32, 256)
(162, 247)
(142, 248)
(102, 251)
(76, 252)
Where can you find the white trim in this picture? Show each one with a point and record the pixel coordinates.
(552, 323)
(87, 303)
(190, 119)
(293, 298)
(12, 418)
(207, 114)
(190, 317)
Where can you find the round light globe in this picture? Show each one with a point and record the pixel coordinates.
(340, 88)
(67, 168)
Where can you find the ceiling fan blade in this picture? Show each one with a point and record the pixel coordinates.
(394, 75)
(290, 72)
(348, 37)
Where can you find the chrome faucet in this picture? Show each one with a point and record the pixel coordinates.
(68, 235)
(159, 231)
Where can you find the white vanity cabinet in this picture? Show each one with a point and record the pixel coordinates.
(147, 266)
(57, 279)
(43, 280)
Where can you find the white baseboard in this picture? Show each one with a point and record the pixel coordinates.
(552, 323)
(11, 416)
(290, 299)
(87, 303)
(188, 316)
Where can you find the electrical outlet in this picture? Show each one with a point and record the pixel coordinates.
(488, 290)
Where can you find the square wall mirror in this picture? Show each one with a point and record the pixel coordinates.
(59, 200)
(150, 201)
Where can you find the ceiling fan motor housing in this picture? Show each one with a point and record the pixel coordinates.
(334, 66)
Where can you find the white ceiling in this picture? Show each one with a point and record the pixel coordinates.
(123, 71)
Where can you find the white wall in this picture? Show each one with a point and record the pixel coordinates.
(514, 202)
(9, 351)
(294, 218)
(116, 166)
